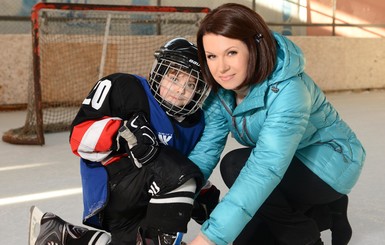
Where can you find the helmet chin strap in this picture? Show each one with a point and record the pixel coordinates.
(177, 118)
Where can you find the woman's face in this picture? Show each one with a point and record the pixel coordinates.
(177, 88)
(227, 60)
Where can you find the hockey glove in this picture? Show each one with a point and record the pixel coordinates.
(205, 203)
(141, 141)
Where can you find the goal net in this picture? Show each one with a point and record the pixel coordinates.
(74, 45)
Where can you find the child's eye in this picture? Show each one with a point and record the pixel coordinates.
(173, 78)
(191, 86)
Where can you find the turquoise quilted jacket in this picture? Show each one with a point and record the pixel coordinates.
(286, 115)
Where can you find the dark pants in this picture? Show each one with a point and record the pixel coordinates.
(286, 217)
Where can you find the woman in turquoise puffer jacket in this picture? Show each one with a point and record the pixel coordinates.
(300, 156)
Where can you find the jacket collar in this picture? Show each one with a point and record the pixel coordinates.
(256, 95)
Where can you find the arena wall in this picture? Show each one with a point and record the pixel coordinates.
(335, 63)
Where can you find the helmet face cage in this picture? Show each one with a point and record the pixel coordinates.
(184, 85)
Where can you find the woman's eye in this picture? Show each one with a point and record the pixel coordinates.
(231, 53)
(209, 57)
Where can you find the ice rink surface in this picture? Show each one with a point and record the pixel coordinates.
(48, 176)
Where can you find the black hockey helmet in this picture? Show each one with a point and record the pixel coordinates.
(181, 56)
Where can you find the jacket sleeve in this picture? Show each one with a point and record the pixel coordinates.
(285, 124)
(95, 127)
(93, 139)
(207, 151)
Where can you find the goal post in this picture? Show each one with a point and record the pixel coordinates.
(74, 45)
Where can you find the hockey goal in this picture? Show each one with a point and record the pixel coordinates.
(74, 45)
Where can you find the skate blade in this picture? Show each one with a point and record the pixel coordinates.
(34, 224)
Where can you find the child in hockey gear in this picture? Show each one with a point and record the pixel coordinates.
(133, 136)
(50, 229)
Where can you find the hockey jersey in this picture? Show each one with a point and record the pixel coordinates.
(112, 100)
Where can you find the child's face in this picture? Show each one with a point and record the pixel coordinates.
(177, 87)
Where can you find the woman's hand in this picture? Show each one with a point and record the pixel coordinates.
(201, 240)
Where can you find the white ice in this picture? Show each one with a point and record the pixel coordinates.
(48, 176)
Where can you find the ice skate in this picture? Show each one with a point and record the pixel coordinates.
(47, 228)
(34, 224)
(160, 239)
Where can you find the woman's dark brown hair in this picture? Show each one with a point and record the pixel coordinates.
(240, 22)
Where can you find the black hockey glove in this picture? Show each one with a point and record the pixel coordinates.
(141, 141)
(205, 203)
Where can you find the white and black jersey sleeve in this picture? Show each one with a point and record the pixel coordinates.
(113, 99)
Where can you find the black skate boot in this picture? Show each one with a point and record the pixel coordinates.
(341, 229)
(159, 238)
(49, 229)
